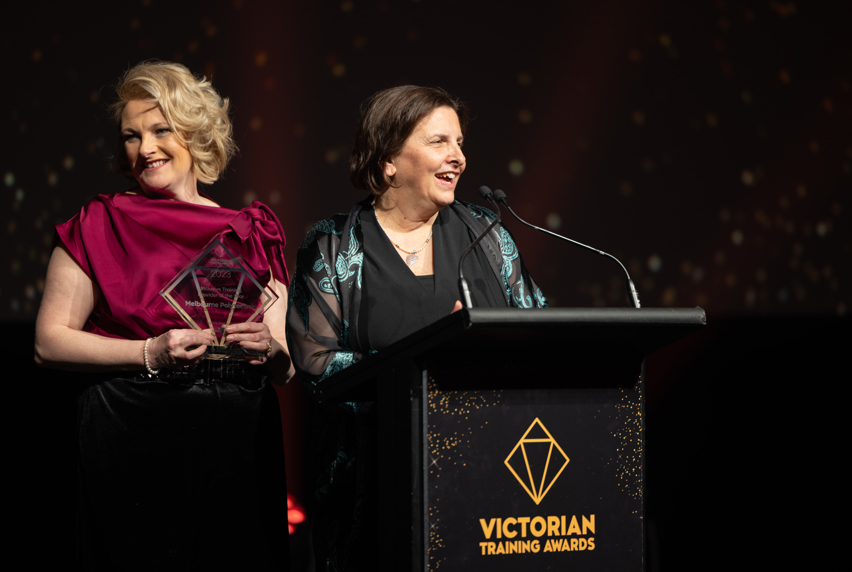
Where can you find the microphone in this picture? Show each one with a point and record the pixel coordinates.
(500, 196)
(486, 193)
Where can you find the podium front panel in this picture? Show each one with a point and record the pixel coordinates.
(532, 478)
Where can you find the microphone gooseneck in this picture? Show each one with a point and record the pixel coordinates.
(486, 193)
(500, 196)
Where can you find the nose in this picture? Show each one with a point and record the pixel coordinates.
(456, 156)
(147, 145)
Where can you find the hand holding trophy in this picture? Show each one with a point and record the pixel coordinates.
(216, 289)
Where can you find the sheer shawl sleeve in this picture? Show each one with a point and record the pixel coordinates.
(325, 297)
(518, 286)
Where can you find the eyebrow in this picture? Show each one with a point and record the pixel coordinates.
(154, 126)
(445, 136)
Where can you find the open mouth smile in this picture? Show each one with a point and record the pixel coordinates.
(155, 164)
(447, 178)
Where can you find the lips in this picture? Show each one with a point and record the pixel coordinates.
(151, 165)
(447, 178)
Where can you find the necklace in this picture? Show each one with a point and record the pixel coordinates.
(412, 257)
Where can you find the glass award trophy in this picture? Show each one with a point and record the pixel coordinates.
(214, 290)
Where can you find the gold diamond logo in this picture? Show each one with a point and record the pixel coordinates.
(536, 457)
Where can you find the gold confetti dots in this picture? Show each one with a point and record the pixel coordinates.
(524, 78)
(68, 162)
(249, 197)
(256, 123)
(260, 58)
(338, 70)
(747, 177)
(524, 116)
(9, 179)
(347, 6)
(516, 167)
(634, 55)
(638, 118)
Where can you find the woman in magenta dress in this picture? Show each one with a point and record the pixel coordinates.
(180, 467)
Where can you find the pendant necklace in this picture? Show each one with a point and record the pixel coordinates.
(412, 257)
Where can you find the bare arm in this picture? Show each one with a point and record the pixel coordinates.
(255, 336)
(68, 301)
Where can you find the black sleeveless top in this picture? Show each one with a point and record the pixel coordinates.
(395, 302)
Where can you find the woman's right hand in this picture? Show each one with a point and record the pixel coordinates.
(178, 347)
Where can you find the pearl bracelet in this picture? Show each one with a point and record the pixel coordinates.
(147, 363)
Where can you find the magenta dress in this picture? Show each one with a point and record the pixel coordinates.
(173, 475)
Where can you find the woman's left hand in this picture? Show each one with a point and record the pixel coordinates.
(253, 336)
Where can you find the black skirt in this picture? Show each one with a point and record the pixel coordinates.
(180, 476)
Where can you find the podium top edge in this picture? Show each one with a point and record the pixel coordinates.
(599, 316)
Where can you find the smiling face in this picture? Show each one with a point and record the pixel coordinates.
(160, 162)
(425, 172)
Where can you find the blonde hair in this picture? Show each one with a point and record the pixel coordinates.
(195, 111)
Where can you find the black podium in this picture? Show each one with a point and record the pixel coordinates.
(512, 439)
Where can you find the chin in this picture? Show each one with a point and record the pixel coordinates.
(445, 198)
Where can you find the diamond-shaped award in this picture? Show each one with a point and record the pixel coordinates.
(539, 458)
(216, 289)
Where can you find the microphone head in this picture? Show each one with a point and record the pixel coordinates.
(485, 192)
(500, 197)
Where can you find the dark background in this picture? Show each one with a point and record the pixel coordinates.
(706, 144)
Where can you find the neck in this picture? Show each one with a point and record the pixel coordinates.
(399, 216)
(187, 194)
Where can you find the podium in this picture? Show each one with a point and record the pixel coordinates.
(512, 439)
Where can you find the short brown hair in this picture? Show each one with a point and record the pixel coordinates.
(195, 111)
(387, 120)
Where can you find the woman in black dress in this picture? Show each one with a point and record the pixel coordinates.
(385, 270)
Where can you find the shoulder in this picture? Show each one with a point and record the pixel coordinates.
(332, 228)
(470, 210)
(323, 229)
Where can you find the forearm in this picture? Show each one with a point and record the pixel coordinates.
(61, 347)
